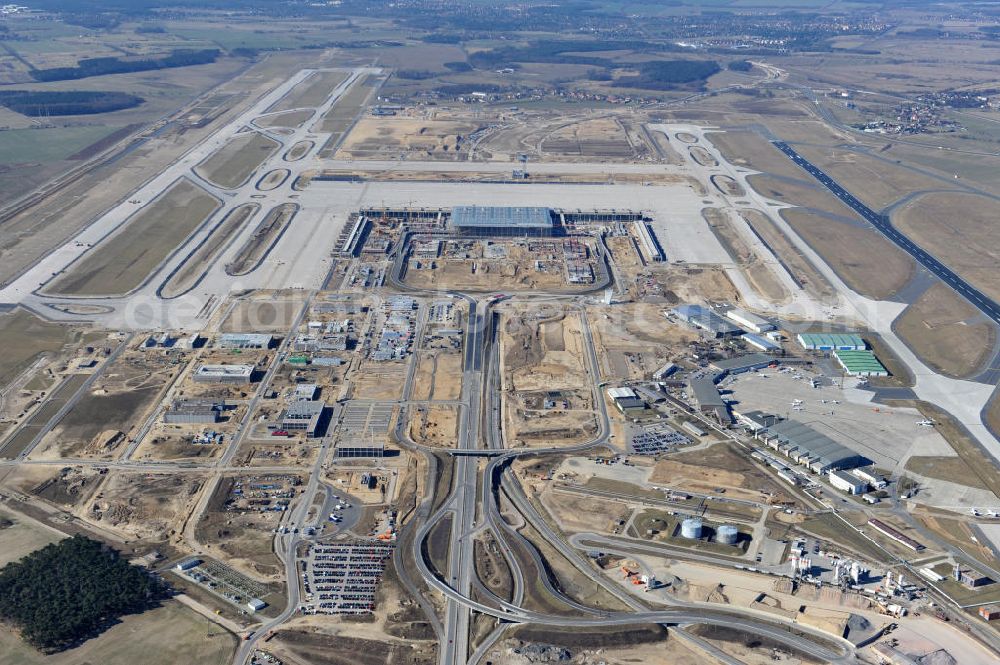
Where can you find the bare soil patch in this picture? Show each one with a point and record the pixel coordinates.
(424, 138)
(757, 268)
(789, 255)
(267, 233)
(728, 185)
(298, 151)
(702, 157)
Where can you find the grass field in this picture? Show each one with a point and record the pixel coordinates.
(797, 264)
(950, 469)
(960, 230)
(876, 182)
(23, 537)
(25, 146)
(312, 92)
(25, 337)
(164, 636)
(232, 164)
(287, 119)
(751, 150)
(122, 262)
(937, 328)
(340, 118)
(201, 260)
(866, 261)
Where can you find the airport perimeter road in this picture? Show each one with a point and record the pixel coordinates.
(983, 303)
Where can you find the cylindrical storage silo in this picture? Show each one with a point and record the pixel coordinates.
(726, 534)
(691, 528)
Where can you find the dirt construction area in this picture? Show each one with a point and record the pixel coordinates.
(543, 352)
(418, 138)
(439, 376)
(434, 426)
(240, 518)
(703, 471)
(99, 425)
(511, 265)
(635, 340)
(148, 506)
(946, 332)
(122, 262)
(599, 137)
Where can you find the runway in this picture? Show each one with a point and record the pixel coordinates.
(979, 300)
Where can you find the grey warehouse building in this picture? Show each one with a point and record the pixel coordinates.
(304, 416)
(707, 320)
(491, 221)
(194, 412)
(804, 445)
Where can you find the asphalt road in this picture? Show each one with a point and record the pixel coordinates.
(983, 303)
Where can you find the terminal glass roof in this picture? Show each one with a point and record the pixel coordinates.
(501, 216)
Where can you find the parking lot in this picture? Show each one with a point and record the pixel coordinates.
(342, 578)
(656, 439)
(366, 419)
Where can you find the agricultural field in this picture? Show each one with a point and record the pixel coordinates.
(162, 636)
(122, 262)
(22, 536)
(25, 338)
(234, 163)
(33, 146)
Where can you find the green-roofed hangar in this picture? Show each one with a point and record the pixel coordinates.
(831, 342)
(860, 363)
